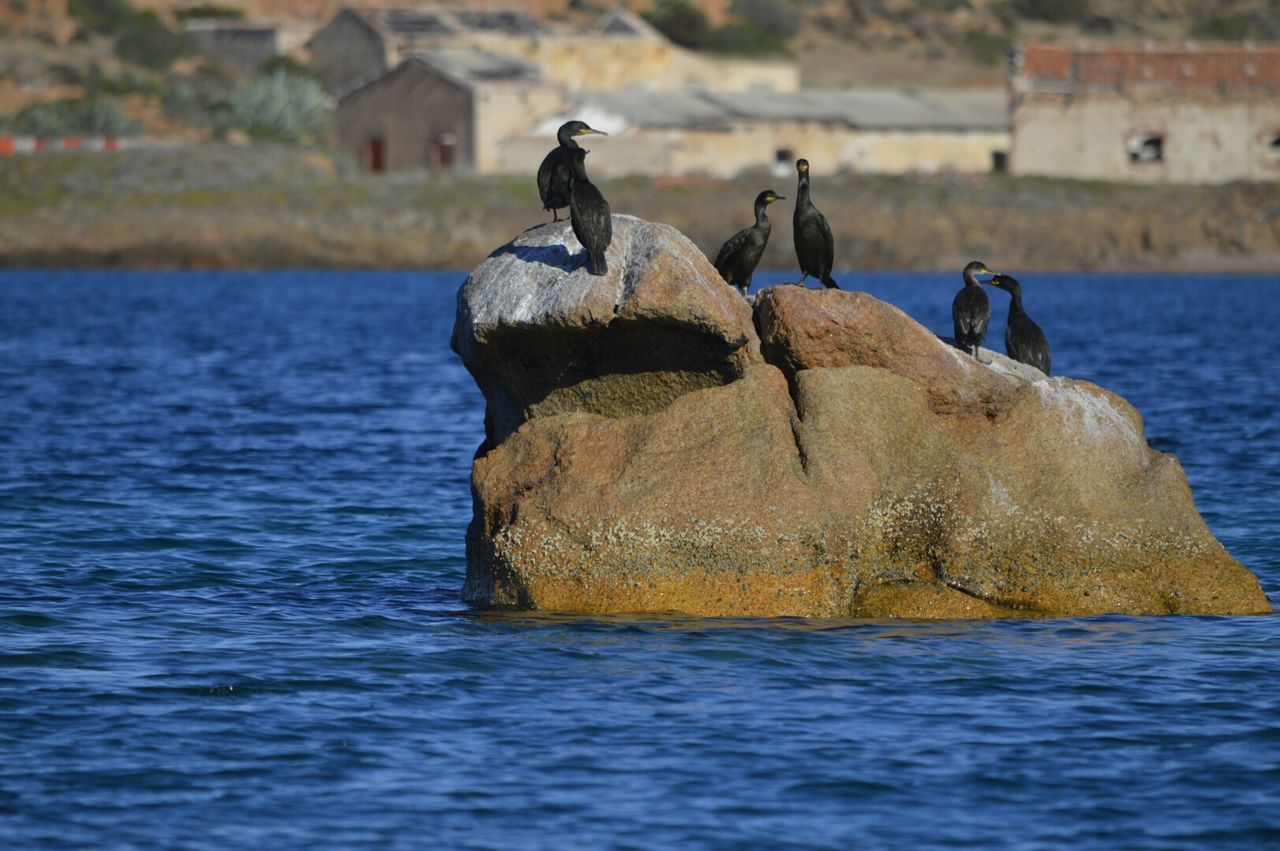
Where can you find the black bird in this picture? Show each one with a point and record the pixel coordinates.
(553, 174)
(589, 214)
(1023, 339)
(815, 249)
(971, 310)
(740, 255)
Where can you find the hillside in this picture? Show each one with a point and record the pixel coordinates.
(837, 42)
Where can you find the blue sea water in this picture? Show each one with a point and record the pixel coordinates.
(231, 546)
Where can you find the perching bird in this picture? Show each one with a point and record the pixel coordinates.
(740, 255)
(589, 214)
(553, 174)
(1023, 339)
(815, 249)
(971, 311)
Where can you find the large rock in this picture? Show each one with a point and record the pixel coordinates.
(541, 336)
(645, 457)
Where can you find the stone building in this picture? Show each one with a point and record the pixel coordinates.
(722, 134)
(621, 50)
(239, 45)
(1149, 114)
(447, 110)
(361, 44)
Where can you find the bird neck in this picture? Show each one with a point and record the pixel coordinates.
(566, 141)
(1015, 305)
(971, 280)
(762, 218)
(802, 193)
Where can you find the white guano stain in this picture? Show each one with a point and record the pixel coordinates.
(1094, 413)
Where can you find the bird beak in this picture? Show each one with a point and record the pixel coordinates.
(587, 131)
(779, 197)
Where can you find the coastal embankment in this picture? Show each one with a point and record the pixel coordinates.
(272, 206)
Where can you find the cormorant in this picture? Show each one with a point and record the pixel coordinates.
(590, 215)
(971, 310)
(740, 255)
(1023, 339)
(553, 174)
(815, 248)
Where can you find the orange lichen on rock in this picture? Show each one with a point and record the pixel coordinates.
(651, 450)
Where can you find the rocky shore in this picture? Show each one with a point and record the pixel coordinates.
(279, 206)
(655, 443)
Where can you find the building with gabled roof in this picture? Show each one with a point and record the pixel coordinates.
(361, 44)
(1188, 113)
(445, 110)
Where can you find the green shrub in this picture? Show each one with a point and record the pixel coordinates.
(1233, 28)
(1056, 11)
(209, 10)
(681, 21)
(747, 40)
(74, 117)
(985, 47)
(104, 16)
(776, 17)
(288, 65)
(203, 99)
(147, 42)
(281, 106)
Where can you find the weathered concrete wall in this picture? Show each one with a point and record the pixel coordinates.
(752, 146)
(411, 111)
(504, 109)
(1206, 138)
(347, 53)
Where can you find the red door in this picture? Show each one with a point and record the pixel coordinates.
(376, 155)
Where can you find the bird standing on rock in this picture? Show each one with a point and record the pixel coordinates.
(553, 174)
(590, 215)
(1023, 339)
(971, 310)
(740, 255)
(815, 249)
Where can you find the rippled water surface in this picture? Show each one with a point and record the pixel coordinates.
(231, 543)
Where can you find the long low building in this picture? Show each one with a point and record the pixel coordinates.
(1149, 114)
(487, 113)
(722, 134)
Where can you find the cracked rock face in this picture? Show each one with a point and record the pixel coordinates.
(645, 456)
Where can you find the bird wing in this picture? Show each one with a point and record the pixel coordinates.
(731, 247)
(592, 218)
(968, 313)
(553, 178)
(827, 239)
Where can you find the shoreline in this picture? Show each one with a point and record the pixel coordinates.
(276, 207)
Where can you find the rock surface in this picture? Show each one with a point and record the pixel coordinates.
(650, 451)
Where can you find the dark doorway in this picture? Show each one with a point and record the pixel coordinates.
(999, 161)
(446, 154)
(375, 155)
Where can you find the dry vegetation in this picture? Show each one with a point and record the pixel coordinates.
(280, 205)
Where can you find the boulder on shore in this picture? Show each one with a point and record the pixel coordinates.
(655, 445)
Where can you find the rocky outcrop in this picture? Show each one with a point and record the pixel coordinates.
(542, 337)
(650, 450)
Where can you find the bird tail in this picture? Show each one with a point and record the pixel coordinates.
(596, 263)
(830, 281)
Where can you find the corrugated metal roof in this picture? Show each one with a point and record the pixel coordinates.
(415, 23)
(479, 65)
(871, 108)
